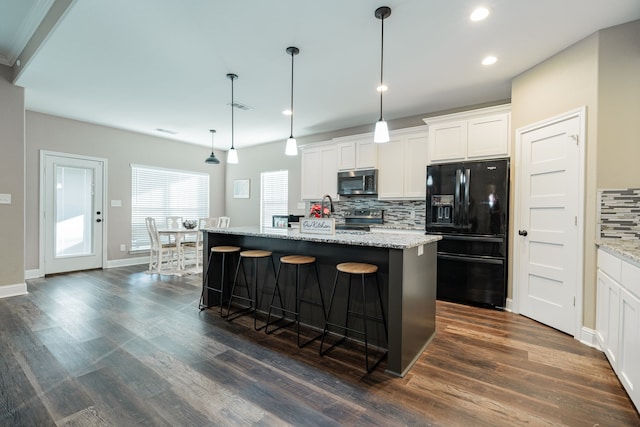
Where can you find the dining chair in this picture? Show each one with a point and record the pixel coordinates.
(196, 247)
(224, 221)
(174, 222)
(159, 253)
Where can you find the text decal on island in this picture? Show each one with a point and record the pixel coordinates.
(318, 225)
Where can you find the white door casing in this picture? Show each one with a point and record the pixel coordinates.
(549, 221)
(72, 227)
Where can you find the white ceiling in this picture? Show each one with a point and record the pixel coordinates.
(148, 64)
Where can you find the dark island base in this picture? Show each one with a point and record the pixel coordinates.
(408, 283)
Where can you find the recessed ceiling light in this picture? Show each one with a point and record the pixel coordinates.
(479, 14)
(382, 88)
(489, 60)
(287, 112)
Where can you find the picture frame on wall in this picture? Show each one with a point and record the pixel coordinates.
(241, 188)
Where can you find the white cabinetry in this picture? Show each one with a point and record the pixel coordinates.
(402, 165)
(618, 317)
(319, 172)
(357, 152)
(470, 135)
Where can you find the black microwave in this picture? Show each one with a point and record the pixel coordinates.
(358, 182)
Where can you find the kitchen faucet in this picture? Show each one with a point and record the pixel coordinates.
(326, 196)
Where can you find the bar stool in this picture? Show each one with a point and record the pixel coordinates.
(297, 261)
(254, 255)
(364, 270)
(224, 250)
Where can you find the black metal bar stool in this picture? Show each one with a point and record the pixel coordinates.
(363, 270)
(224, 250)
(254, 255)
(297, 261)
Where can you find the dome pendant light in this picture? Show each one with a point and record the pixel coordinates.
(212, 159)
(382, 131)
(291, 149)
(232, 155)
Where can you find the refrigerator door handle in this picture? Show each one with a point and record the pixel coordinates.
(467, 177)
(457, 208)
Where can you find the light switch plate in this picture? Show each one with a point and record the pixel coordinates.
(116, 203)
(420, 250)
(5, 199)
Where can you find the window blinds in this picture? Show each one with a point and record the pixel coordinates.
(159, 193)
(274, 193)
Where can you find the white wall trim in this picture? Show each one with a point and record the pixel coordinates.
(509, 305)
(126, 262)
(581, 113)
(588, 337)
(13, 290)
(33, 274)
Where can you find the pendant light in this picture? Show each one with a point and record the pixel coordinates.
(291, 149)
(232, 155)
(212, 159)
(381, 133)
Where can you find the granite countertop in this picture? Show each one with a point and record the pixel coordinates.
(627, 248)
(342, 237)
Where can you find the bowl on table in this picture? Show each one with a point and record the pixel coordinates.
(190, 224)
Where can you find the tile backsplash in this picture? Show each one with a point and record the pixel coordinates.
(619, 213)
(403, 213)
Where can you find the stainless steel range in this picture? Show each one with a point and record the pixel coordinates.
(361, 219)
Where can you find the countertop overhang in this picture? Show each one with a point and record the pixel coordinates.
(342, 237)
(627, 248)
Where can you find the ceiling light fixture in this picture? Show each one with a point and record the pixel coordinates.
(232, 155)
(489, 60)
(212, 159)
(479, 14)
(381, 133)
(291, 149)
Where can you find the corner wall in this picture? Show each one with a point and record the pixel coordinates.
(566, 81)
(12, 166)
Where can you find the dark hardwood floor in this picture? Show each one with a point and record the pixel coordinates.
(124, 348)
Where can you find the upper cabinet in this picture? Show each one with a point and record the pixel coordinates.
(402, 164)
(356, 152)
(470, 135)
(319, 171)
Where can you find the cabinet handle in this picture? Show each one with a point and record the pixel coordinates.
(522, 232)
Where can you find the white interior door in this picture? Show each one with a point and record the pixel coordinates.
(548, 277)
(73, 213)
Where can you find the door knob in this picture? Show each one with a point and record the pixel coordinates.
(98, 220)
(522, 232)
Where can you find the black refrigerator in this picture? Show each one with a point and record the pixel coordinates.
(468, 204)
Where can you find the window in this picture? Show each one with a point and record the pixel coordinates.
(274, 195)
(160, 193)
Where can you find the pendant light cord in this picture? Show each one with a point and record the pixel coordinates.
(381, 63)
(291, 133)
(232, 132)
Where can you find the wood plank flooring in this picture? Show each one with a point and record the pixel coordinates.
(121, 347)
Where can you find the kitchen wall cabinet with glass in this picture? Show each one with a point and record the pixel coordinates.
(356, 152)
(402, 165)
(470, 135)
(319, 171)
(618, 317)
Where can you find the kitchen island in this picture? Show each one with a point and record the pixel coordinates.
(407, 271)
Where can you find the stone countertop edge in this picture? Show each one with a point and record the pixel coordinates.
(353, 238)
(627, 248)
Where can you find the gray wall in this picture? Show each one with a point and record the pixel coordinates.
(600, 72)
(11, 180)
(120, 148)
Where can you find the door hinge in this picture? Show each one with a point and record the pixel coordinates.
(575, 220)
(574, 301)
(575, 138)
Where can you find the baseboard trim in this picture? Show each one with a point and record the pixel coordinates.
(33, 274)
(508, 305)
(13, 290)
(126, 262)
(588, 337)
